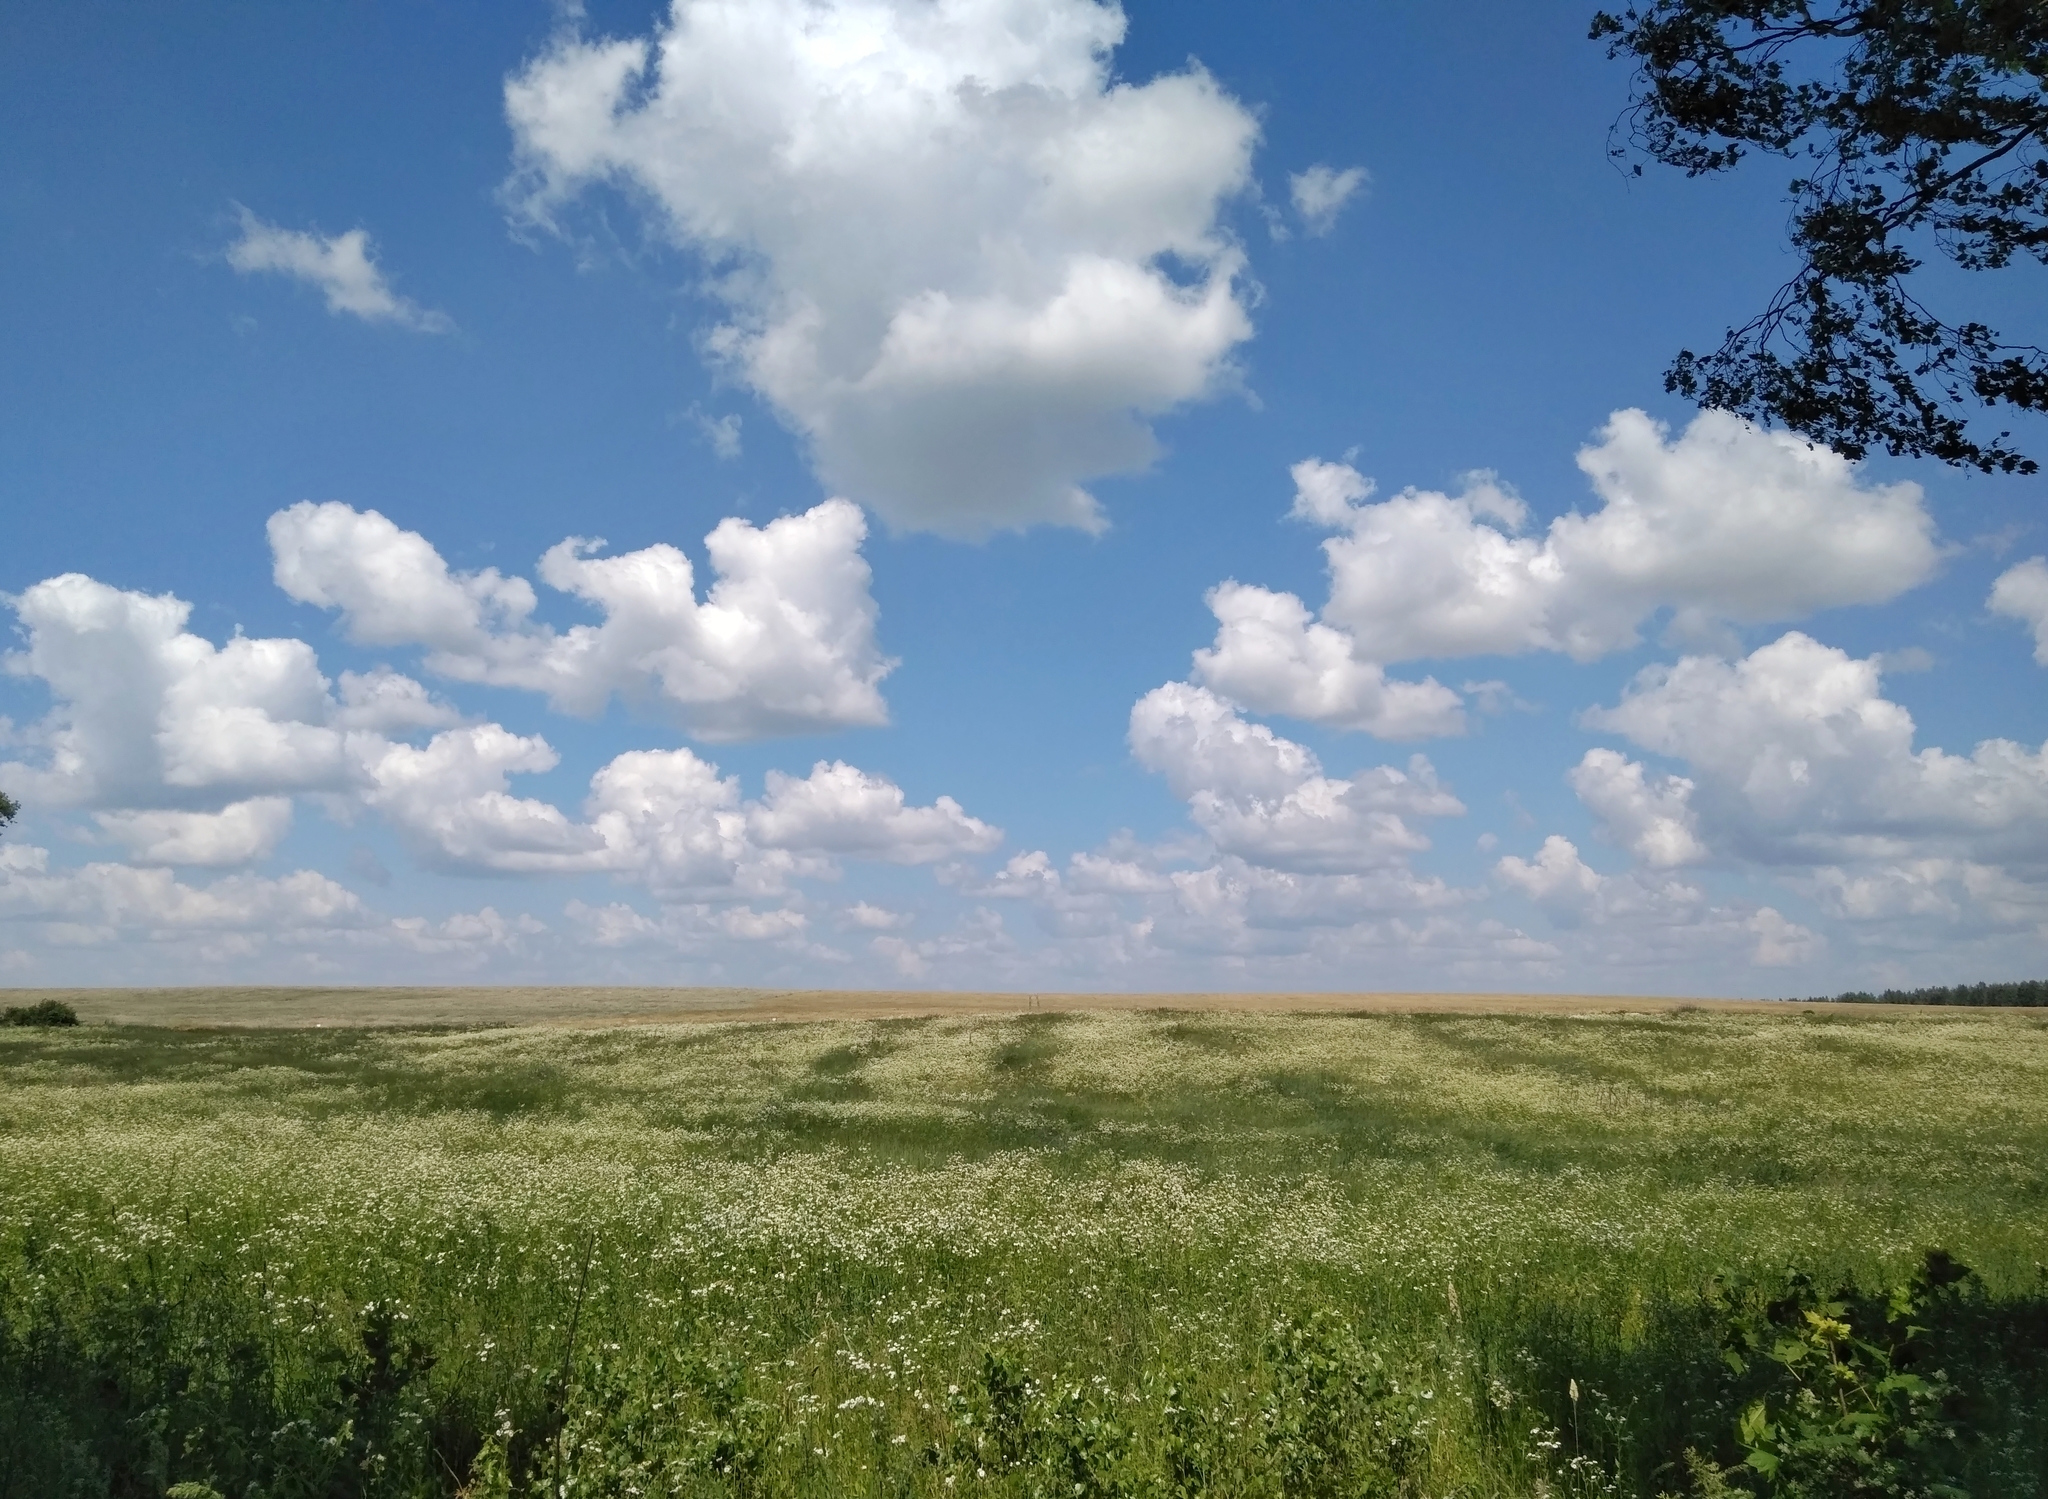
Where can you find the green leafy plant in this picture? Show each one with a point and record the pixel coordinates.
(1335, 1419)
(1065, 1438)
(1852, 1404)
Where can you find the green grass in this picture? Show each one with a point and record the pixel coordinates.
(977, 1255)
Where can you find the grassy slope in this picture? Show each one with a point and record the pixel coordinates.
(856, 1211)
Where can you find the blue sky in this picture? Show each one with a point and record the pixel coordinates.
(995, 338)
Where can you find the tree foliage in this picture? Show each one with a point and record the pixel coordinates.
(2019, 992)
(1919, 127)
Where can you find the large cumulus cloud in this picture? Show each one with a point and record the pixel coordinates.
(956, 255)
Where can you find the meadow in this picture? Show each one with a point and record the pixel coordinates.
(1122, 1253)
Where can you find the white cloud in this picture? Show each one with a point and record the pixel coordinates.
(471, 934)
(1728, 523)
(1266, 800)
(722, 433)
(875, 918)
(615, 925)
(1781, 942)
(1320, 194)
(839, 809)
(716, 931)
(1028, 876)
(114, 900)
(1080, 905)
(1644, 920)
(1799, 771)
(150, 716)
(239, 833)
(2021, 593)
(784, 642)
(1237, 906)
(450, 802)
(189, 752)
(1271, 656)
(341, 266)
(956, 256)
(1201, 744)
(1556, 877)
(1108, 875)
(979, 946)
(749, 925)
(383, 701)
(670, 821)
(665, 819)
(132, 922)
(1800, 759)
(1291, 863)
(1898, 896)
(1650, 816)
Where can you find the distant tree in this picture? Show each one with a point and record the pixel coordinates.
(1919, 126)
(9, 810)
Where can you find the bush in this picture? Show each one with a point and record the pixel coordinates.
(43, 1012)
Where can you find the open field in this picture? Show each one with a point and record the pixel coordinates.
(457, 1005)
(1119, 1251)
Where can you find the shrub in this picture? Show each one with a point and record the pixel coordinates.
(44, 1012)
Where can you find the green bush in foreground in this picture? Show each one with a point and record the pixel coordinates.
(1112, 1255)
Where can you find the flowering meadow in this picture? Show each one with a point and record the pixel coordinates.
(1138, 1253)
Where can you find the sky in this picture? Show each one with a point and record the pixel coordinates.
(971, 494)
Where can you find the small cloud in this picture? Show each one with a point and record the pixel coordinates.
(1998, 542)
(341, 266)
(875, 918)
(749, 925)
(1781, 943)
(1320, 194)
(1496, 697)
(721, 432)
(2021, 593)
(1913, 658)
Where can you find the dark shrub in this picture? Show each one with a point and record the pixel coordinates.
(42, 1012)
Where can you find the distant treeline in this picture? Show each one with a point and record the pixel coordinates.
(2019, 992)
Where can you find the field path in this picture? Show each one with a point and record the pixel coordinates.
(566, 1005)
